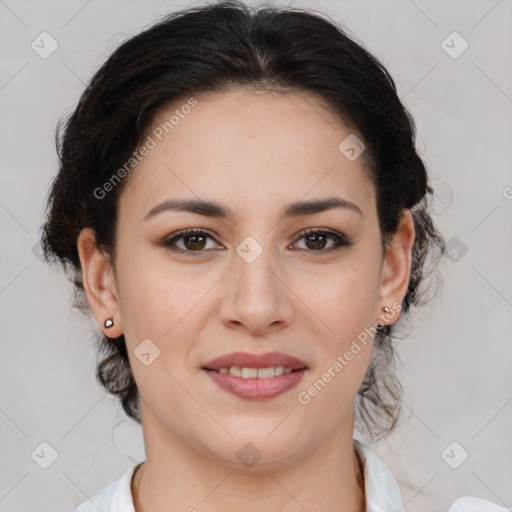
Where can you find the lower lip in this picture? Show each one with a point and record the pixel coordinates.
(256, 389)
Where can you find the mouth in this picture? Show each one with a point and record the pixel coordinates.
(249, 387)
(256, 376)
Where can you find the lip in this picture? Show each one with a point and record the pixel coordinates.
(256, 389)
(248, 360)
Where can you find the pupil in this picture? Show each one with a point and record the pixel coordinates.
(194, 243)
(318, 236)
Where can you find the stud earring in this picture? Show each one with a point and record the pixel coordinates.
(109, 322)
(386, 311)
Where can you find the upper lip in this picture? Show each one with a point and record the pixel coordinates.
(247, 360)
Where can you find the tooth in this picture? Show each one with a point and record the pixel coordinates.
(253, 373)
(236, 371)
(278, 370)
(249, 373)
(266, 373)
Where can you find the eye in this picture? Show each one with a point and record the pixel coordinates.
(316, 239)
(194, 241)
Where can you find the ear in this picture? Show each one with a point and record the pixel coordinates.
(396, 268)
(99, 283)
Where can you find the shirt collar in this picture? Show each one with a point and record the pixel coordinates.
(381, 489)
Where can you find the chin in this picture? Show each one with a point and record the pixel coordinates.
(253, 448)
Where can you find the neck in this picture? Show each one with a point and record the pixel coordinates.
(328, 477)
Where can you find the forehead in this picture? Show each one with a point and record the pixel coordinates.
(258, 147)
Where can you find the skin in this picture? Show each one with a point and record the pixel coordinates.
(254, 152)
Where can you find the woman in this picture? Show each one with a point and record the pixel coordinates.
(242, 205)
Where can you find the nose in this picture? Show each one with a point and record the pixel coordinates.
(257, 298)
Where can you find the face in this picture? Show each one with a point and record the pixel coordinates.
(268, 275)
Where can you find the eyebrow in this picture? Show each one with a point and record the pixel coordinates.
(214, 209)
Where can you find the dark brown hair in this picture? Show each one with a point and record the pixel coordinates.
(211, 48)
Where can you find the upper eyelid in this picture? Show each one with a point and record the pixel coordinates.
(188, 232)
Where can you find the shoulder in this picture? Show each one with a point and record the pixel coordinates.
(472, 504)
(383, 493)
(115, 497)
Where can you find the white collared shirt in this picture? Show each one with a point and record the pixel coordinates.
(381, 491)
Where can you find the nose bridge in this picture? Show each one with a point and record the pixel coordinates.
(255, 297)
(253, 278)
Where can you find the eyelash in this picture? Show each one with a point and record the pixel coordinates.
(340, 240)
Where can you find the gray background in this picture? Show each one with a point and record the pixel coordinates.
(456, 363)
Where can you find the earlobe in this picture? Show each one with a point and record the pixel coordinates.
(99, 283)
(397, 264)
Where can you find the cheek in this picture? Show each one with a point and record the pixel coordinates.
(345, 301)
(345, 341)
(154, 294)
(161, 307)
(165, 306)
(345, 296)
